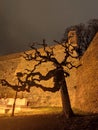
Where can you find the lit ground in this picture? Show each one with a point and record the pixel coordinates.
(35, 111)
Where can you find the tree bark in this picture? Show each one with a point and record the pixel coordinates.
(14, 104)
(67, 110)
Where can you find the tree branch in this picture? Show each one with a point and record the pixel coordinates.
(14, 87)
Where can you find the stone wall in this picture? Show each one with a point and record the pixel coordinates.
(83, 82)
(87, 80)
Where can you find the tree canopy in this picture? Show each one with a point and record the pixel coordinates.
(48, 56)
(85, 34)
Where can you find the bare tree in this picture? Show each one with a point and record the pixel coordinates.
(59, 73)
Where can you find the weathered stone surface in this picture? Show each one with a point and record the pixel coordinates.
(87, 80)
(83, 82)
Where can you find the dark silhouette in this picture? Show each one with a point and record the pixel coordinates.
(58, 74)
(85, 34)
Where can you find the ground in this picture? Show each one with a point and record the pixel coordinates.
(48, 121)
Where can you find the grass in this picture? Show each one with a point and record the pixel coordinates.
(36, 111)
(41, 110)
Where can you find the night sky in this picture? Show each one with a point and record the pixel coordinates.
(24, 21)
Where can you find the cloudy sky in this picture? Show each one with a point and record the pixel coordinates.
(24, 21)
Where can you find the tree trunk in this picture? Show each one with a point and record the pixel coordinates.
(13, 109)
(66, 101)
